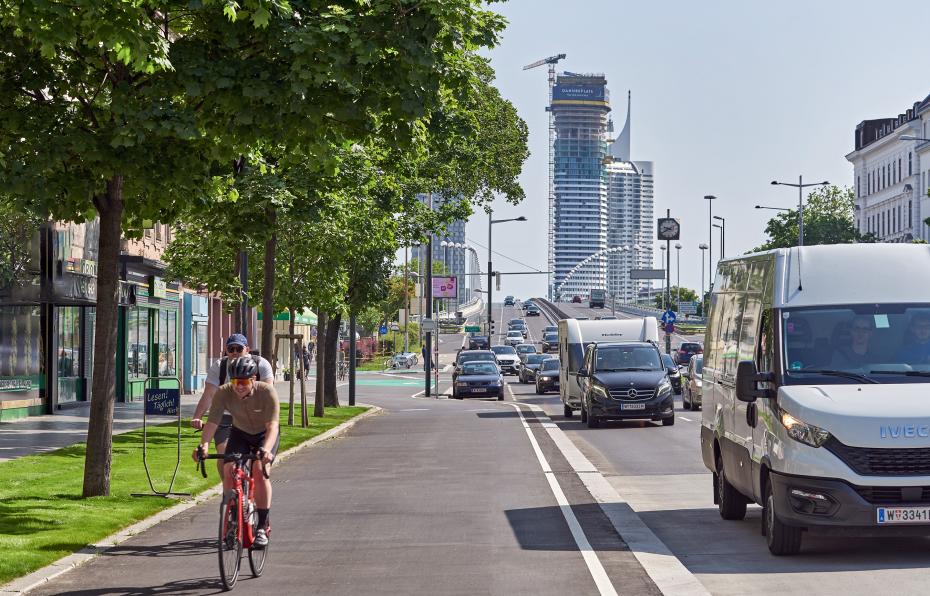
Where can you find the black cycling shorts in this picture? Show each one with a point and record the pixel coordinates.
(242, 442)
(222, 431)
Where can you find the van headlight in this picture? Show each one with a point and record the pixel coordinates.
(803, 432)
(600, 391)
(664, 388)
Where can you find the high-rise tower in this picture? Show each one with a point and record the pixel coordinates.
(580, 105)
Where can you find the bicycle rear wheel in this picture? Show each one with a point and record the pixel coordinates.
(258, 556)
(229, 544)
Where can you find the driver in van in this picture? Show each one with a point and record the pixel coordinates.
(856, 352)
(916, 348)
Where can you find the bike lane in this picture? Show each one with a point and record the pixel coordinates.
(433, 496)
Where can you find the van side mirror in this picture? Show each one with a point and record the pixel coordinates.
(747, 378)
(582, 372)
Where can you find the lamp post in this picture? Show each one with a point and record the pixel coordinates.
(664, 289)
(678, 274)
(710, 234)
(703, 248)
(491, 223)
(800, 186)
(723, 234)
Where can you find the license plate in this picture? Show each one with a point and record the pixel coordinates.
(903, 515)
(479, 390)
(632, 406)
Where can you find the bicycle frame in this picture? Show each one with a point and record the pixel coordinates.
(240, 480)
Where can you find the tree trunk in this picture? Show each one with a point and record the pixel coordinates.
(294, 367)
(103, 386)
(332, 352)
(320, 364)
(271, 246)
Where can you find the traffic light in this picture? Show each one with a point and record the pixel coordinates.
(497, 279)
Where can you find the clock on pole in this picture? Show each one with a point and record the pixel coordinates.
(669, 228)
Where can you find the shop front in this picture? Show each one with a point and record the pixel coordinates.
(196, 327)
(148, 328)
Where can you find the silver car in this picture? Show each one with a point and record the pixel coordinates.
(691, 383)
(514, 337)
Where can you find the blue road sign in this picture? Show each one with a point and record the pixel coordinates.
(670, 327)
(383, 329)
(669, 317)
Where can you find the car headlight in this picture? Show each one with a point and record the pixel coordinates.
(664, 388)
(461, 384)
(600, 390)
(803, 432)
(545, 378)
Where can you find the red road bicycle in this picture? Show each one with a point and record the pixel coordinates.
(238, 519)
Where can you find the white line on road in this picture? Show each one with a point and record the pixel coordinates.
(686, 419)
(415, 410)
(604, 586)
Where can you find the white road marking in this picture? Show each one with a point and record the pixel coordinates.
(396, 376)
(686, 419)
(601, 580)
(415, 410)
(668, 573)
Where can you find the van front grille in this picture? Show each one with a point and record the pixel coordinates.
(637, 394)
(872, 461)
(881, 495)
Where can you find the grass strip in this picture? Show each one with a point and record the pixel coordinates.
(43, 517)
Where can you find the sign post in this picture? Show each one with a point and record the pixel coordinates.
(669, 318)
(161, 402)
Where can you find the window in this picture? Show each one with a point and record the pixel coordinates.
(137, 342)
(910, 214)
(910, 165)
(158, 232)
(20, 339)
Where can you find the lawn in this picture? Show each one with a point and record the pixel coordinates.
(43, 517)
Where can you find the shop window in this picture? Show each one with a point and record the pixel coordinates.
(20, 347)
(137, 342)
(166, 338)
(199, 348)
(69, 352)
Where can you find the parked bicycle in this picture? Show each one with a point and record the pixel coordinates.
(400, 360)
(343, 371)
(238, 519)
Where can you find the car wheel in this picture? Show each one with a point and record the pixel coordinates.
(593, 422)
(670, 421)
(500, 396)
(685, 405)
(584, 413)
(568, 412)
(731, 503)
(538, 390)
(694, 407)
(781, 539)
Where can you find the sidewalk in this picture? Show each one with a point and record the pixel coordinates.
(40, 434)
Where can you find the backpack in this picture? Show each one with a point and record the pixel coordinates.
(224, 363)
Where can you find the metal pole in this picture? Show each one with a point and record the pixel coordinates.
(244, 283)
(406, 304)
(490, 280)
(352, 349)
(668, 289)
(429, 306)
(710, 239)
(800, 210)
(678, 281)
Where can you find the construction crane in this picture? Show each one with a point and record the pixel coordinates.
(551, 61)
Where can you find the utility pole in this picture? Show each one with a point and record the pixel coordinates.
(352, 357)
(427, 365)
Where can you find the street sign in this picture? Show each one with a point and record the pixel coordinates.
(472, 328)
(395, 327)
(428, 325)
(647, 273)
(383, 329)
(688, 308)
(669, 317)
(670, 327)
(162, 402)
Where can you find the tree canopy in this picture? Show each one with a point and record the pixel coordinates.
(829, 218)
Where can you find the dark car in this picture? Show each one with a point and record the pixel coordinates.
(524, 350)
(550, 341)
(547, 377)
(466, 356)
(526, 304)
(479, 342)
(625, 381)
(686, 350)
(508, 301)
(507, 359)
(529, 367)
(576, 299)
(550, 329)
(479, 379)
(674, 375)
(533, 311)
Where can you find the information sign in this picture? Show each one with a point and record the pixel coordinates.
(383, 329)
(445, 287)
(688, 308)
(472, 328)
(428, 325)
(162, 402)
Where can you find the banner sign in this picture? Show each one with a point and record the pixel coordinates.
(162, 402)
(647, 273)
(445, 287)
(578, 93)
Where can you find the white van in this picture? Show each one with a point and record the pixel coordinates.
(816, 372)
(575, 336)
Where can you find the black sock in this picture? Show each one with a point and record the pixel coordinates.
(262, 517)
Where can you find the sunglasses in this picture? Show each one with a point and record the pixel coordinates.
(242, 382)
(234, 349)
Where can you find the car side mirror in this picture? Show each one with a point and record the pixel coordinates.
(582, 372)
(747, 379)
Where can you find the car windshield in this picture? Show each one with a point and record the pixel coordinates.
(686, 347)
(526, 349)
(550, 364)
(878, 343)
(698, 365)
(620, 358)
(535, 358)
(551, 337)
(667, 360)
(499, 350)
(516, 322)
(551, 329)
(474, 356)
(479, 368)
(515, 334)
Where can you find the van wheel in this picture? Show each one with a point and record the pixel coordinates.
(694, 407)
(780, 538)
(593, 421)
(568, 412)
(731, 503)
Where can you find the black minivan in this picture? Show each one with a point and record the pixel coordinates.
(623, 381)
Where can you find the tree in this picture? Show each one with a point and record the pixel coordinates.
(137, 111)
(17, 231)
(829, 218)
(687, 295)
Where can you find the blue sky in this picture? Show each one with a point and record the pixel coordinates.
(727, 96)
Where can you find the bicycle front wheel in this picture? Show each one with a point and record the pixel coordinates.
(257, 558)
(229, 544)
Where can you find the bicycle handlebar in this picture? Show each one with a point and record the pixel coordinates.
(228, 457)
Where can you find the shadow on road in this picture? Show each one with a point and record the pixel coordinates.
(180, 548)
(544, 528)
(184, 587)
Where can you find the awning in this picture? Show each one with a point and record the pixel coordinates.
(305, 317)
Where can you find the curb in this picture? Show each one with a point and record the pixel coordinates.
(41, 576)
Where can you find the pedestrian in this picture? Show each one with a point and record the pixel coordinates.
(425, 352)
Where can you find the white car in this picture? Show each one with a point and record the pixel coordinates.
(507, 359)
(514, 337)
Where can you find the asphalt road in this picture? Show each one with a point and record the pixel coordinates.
(659, 472)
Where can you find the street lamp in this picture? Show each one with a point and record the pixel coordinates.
(773, 208)
(723, 233)
(710, 231)
(491, 222)
(703, 248)
(800, 186)
(665, 290)
(678, 275)
(913, 138)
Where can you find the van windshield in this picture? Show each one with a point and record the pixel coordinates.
(883, 343)
(620, 358)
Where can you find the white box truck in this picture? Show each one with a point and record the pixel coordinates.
(816, 388)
